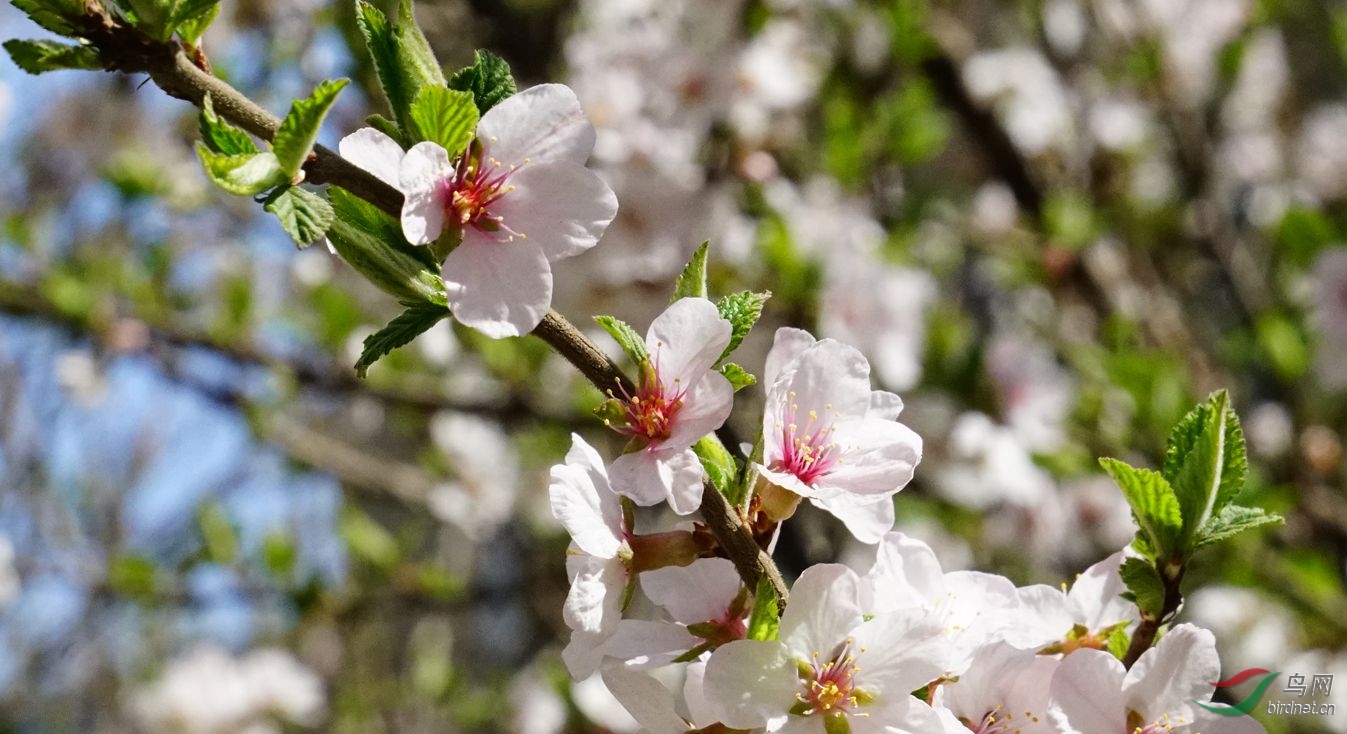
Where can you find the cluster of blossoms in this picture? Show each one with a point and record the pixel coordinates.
(901, 646)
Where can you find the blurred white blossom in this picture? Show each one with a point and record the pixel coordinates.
(209, 691)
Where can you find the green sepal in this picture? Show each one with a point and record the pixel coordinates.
(304, 215)
(413, 322)
(611, 411)
(764, 621)
(742, 310)
(488, 79)
(446, 117)
(1154, 505)
(694, 653)
(372, 243)
(1231, 521)
(626, 337)
(691, 283)
(221, 137)
(294, 140)
(1118, 640)
(36, 57)
(836, 722)
(1144, 587)
(245, 175)
(718, 463)
(739, 377)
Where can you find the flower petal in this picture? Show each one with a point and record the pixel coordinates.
(700, 592)
(594, 521)
(592, 605)
(825, 606)
(788, 344)
(705, 408)
(498, 288)
(421, 177)
(650, 477)
(644, 644)
(906, 573)
(899, 651)
(878, 457)
(751, 683)
(375, 152)
(686, 340)
(1168, 677)
(560, 207)
(541, 124)
(646, 699)
(885, 405)
(1086, 693)
(868, 521)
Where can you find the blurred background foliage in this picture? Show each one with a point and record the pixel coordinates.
(1053, 226)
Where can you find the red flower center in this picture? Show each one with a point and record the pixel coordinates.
(651, 411)
(478, 183)
(807, 450)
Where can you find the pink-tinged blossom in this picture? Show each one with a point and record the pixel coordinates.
(597, 564)
(971, 608)
(1005, 691)
(1083, 616)
(680, 399)
(830, 664)
(1092, 693)
(828, 437)
(706, 604)
(517, 200)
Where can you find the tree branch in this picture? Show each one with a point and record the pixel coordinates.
(124, 48)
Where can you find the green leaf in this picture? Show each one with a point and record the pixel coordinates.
(151, 17)
(218, 533)
(294, 140)
(742, 310)
(220, 136)
(372, 243)
(488, 79)
(1206, 462)
(446, 117)
(1144, 586)
(413, 322)
(51, 15)
(415, 48)
(1153, 503)
(1231, 521)
(245, 175)
(765, 618)
(691, 282)
(368, 539)
(737, 376)
(191, 18)
(402, 59)
(626, 337)
(304, 215)
(134, 576)
(279, 553)
(36, 57)
(718, 463)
